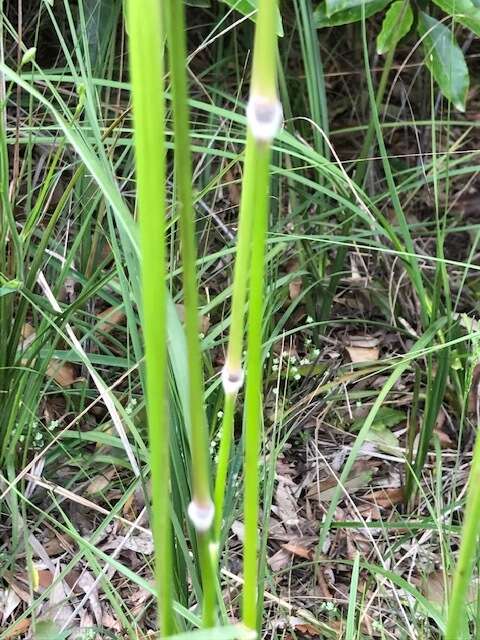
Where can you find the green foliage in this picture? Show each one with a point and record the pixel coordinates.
(386, 417)
(146, 72)
(346, 16)
(462, 11)
(249, 8)
(444, 58)
(396, 23)
(335, 6)
(318, 211)
(48, 630)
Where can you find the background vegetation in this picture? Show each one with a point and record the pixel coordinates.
(362, 333)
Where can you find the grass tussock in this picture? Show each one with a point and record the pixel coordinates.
(239, 307)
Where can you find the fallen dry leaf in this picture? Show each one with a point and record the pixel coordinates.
(100, 482)
(110, 319)
(233, 188)
(363, 354)
(445, 441)
(280, 560)
(45, 579)
(109, 622)
(298, 624)
(88, 584)
(128, 508)
(137, 601)
(322, 589)
(12, 601)
(325, 489)
(388, 497)
(62, 372)
(18, 629)
(18, 583)
(433, 587)
(28, 335)
(297, 550)
(440, 431)
(143, 543)
(295, 288)
(286, 504)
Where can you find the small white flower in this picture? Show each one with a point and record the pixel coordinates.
(309, 320)
(297, 376)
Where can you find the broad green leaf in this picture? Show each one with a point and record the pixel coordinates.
(48, 630)
(386, 417)
(383, 438)
(353, 14)
(464, 11)
(9, 286)
(397, 23)
(445, 59)
(248, 6)
(335, 6)
(218, 633)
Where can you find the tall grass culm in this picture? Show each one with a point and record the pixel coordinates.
(264, 118)
(456, 619)
(201, 508)
(147, 73)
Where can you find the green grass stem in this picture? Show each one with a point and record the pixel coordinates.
(468, 549)
(264, 115)
(147, 72)
(201, 509)
(253, 422)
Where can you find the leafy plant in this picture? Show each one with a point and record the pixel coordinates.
(443, 57)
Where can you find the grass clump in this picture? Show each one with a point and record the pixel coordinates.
(238, 320)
